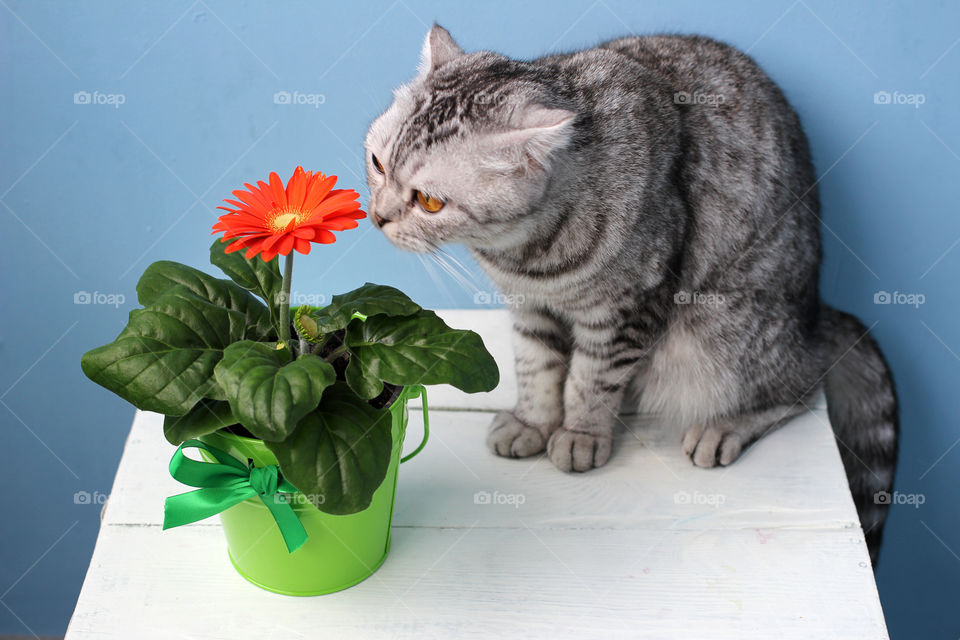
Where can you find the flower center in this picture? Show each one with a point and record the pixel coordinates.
(281, 220)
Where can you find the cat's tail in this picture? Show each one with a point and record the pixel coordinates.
(862, 405)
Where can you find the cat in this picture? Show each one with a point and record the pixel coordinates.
(650, 206)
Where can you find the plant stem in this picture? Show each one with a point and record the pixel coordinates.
(336, 353)
(285, 299)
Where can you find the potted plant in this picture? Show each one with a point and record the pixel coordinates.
(299, 418)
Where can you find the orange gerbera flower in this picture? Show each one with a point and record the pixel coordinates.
(270, 219)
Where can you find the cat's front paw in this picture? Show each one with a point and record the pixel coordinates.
(577, 451)
(511, 438)
(711, 445)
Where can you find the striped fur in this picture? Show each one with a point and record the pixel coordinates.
(652, 205)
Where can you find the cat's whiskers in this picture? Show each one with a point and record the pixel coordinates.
(432, 272)
(462, 277)
(452, 258)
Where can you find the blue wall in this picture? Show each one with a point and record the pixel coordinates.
(92, 193)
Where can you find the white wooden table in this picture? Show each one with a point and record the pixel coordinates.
(648, 546)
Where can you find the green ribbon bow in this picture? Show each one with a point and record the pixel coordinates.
(226, 484)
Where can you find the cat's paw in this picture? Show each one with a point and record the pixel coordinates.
(576, 451)
(711, 445)
(511, 438)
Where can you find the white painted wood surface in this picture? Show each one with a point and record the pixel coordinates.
(648, 546)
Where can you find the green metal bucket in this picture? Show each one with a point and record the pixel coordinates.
(340, 551)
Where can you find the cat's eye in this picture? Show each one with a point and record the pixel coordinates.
(376, 163)
(429, 203)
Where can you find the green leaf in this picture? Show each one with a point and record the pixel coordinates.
(268, 394)
(419, 349)
(205, 417)
(262, 278)
(368, 300)
(164, 275)
(339, 454)
(164, 358)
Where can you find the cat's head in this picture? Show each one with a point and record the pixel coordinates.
(465, 150)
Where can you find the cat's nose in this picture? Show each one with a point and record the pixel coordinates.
(380, 220)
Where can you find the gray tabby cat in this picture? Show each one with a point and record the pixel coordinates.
(653, 204)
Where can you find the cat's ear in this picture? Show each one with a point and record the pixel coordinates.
(536, 132)
(439, 48)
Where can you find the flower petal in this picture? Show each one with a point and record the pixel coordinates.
(338, 224)
(236, 246)
(301, 245)
(257, 194)
(276, 185)
(296, 188)
(332, 203)
(248, 201)
(272, 241)
(285, 245)
(318, 191)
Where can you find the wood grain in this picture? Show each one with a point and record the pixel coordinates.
(648, 546)
(486, 582)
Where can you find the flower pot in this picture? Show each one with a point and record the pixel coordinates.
(340, 551)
